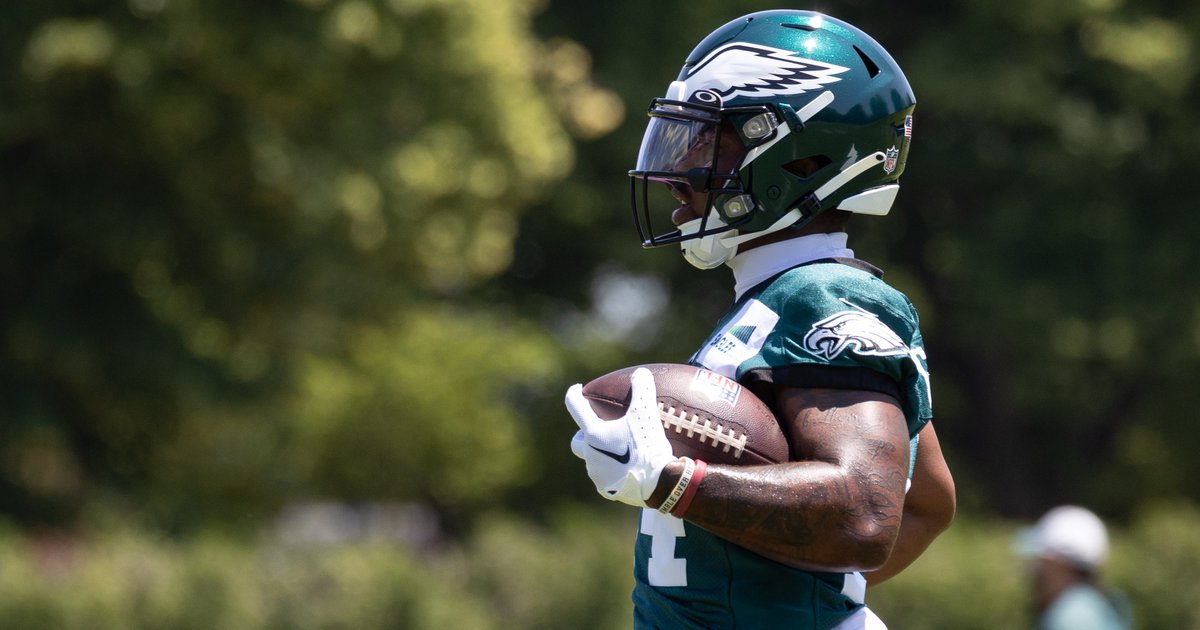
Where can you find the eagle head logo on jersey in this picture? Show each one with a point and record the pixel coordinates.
(857, 330)
(754, 70)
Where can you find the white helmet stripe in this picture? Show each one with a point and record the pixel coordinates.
(817, 104)
(847, 174)
(780, 133)
(808, 111)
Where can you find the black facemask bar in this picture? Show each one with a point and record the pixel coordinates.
(700, 179)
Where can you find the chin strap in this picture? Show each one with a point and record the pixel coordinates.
(790, 217)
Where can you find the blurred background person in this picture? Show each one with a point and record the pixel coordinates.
(1066, 549)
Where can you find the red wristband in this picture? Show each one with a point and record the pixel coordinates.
(686, 500)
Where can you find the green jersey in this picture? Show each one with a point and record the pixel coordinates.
(829, 324)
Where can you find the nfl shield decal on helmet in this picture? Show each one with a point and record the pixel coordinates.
(889, 162)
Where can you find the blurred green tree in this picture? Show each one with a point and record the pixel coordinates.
(238, 245)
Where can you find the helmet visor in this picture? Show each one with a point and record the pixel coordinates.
(692, 150)
(676, 141)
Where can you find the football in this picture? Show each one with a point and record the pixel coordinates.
(706, 416)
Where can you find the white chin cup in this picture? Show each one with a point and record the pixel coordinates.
(707, 252)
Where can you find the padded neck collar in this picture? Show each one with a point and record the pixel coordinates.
(752, 267)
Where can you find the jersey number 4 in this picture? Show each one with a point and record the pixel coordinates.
(663, 568)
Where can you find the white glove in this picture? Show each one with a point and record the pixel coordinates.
(626, 456)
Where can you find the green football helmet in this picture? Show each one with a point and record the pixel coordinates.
(822, 114)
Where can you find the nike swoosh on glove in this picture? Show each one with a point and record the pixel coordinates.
(624, 457)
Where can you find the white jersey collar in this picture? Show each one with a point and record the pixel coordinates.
(752, 267)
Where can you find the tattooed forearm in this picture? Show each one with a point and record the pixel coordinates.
(881, 500)
(837, 506)
(791, 503)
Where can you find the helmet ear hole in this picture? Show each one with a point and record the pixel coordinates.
(872, 69)
(806, 166)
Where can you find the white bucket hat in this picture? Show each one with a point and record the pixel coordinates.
(1070, 533)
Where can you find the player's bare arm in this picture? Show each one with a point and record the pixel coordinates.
(928, 507)
(837, 508)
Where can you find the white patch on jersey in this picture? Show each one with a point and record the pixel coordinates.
(741, 69)
(856, 330)
(742, 337)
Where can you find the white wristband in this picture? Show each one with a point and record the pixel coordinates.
(689, 468)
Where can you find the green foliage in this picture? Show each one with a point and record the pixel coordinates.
(123, 581)
(970, 578)
(571, 572)
(1049, 223)
(576, 574)
(512, 575)
(424, 409)
(1157, 565)
(210, 208)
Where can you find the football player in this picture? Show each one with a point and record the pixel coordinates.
(780, 127)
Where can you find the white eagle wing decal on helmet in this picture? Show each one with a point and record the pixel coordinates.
(742, 69)
(856, 330)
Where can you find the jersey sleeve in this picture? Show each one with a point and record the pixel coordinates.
(844, 329)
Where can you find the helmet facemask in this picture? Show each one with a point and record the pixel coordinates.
(695, 150)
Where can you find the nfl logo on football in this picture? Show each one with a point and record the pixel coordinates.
(716, 387)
